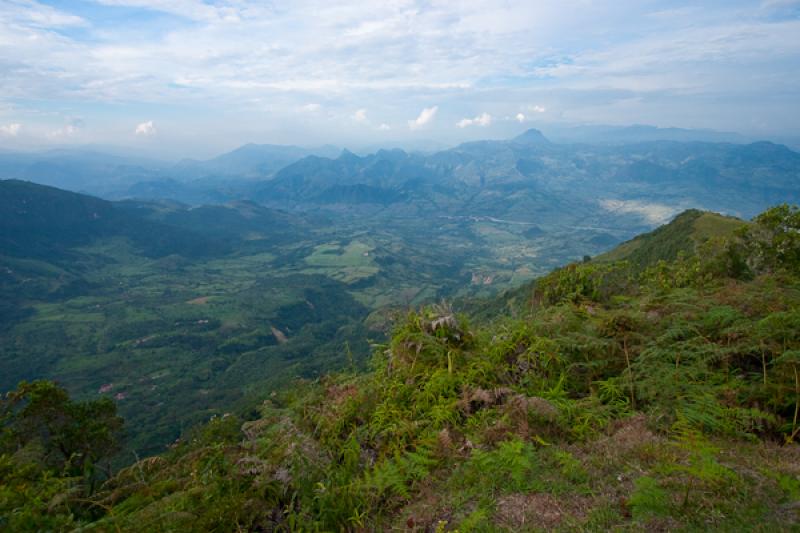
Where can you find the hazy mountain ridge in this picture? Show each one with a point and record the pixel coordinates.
(249, 161)
(531, 174)
(42, 220)
(116, 176)
(603, 134)
(78, 170)
(457, 179)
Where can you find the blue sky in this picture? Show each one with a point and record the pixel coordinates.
(194, 78)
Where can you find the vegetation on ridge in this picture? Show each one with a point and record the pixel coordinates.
(610, 397)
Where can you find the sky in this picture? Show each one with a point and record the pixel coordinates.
(182, 78)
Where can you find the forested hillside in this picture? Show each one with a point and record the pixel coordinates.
(152, 303)
(607, 395)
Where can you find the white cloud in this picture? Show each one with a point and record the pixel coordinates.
(39, 15)
(696, 59)
(651, 212)
(361, 116)
(483, 120)
(67, 131)
(10, 130)
(425, 116)
(520, 118)
(190, 9)
(311, 108)
(145, 129)
(384, 127)
(536, 109)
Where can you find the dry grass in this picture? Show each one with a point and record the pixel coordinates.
(525, 512)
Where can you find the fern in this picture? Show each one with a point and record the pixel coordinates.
(395, 476)
(508, 467)
(649, 499)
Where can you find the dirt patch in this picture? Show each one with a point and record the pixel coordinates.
(203, 300)
(628, 435)
(279, 335)
(430, 507)
(539, 511)
(338, 394)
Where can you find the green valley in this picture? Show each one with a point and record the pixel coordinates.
(184, 313)
(606, 395)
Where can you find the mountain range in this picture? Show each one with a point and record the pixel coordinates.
(529, 171)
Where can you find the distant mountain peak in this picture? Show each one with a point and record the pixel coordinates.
(531, 136)
(347, 155)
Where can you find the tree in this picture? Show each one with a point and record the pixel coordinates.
(72, 437)
(775, 239)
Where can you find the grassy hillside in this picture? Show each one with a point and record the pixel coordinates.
(619, 398)
(686, 233)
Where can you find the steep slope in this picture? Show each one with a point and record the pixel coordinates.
(531, 137)
(37, 219)
(684, 234)
(646, 399)
(44, 222)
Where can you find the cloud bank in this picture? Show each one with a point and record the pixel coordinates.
(230, 71)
